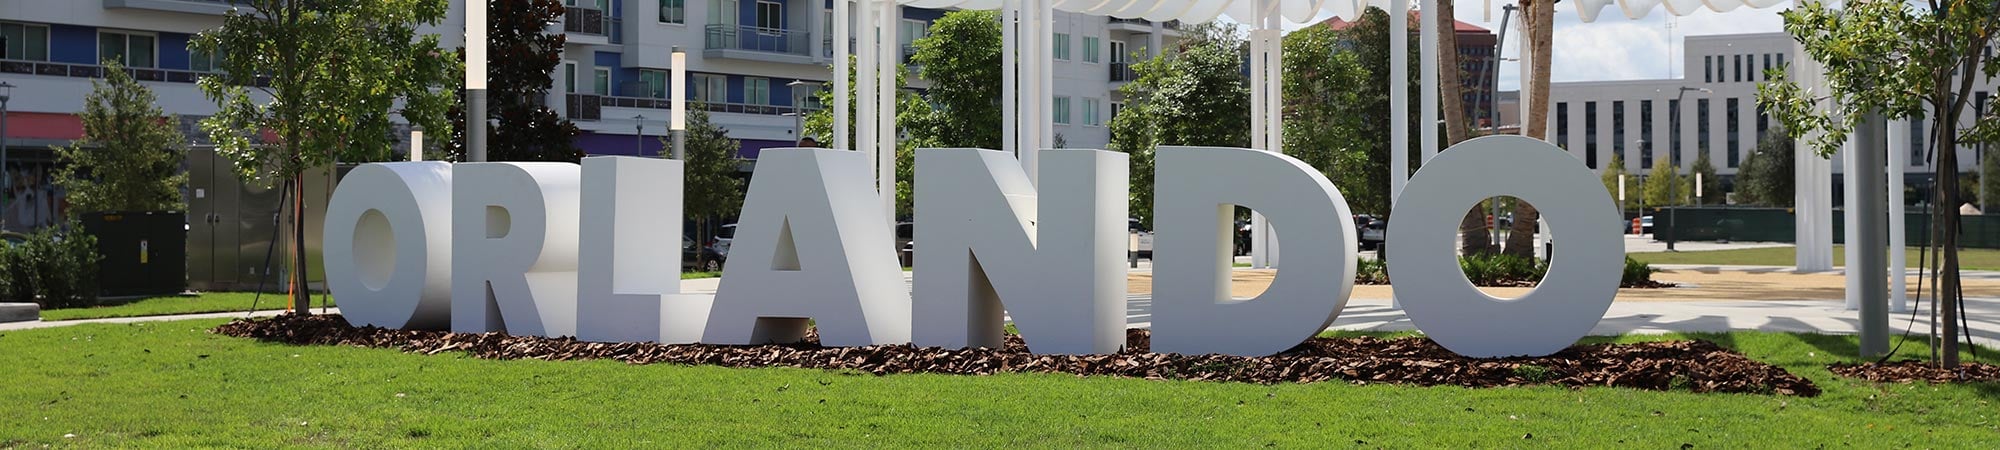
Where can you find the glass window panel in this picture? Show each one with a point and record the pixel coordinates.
(141, 51)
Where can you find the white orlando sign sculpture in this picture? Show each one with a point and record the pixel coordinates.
(592, 251)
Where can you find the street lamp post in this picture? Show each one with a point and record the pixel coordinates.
(638, 135)
(677, 115)
(6, 176)
(798, 110)
(1673, 185)
(475, 81)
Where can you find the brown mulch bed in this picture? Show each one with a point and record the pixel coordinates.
(1914, 370)
(1648, 284)
(1696, 366)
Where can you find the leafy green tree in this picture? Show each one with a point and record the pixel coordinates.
(1325, 117)
(1711, 185)
(1195, 97)
(961, 58)
(1765, 178)
(326, 79)
(130, 156)
(1665, 186)
(1897, 60)
(712, 190)
(521, 58)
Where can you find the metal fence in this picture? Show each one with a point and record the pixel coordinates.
(1778, 225)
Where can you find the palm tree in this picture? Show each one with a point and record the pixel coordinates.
(1473, 238)
(1540, 23)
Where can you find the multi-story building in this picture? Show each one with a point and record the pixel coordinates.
(1718, 115)
(755, 64)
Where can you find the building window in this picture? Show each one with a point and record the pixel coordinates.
(1674, 132)
(1763, 122)
(1707, 69)
(1701, 126)
(1618, 132)
(601, 81)
(1781, 60)
(1562, 125)
(1645, 134)
(1090, 49)
(1737, 61)
(1117, 107)
(1062, 46)
(1766, 74)
(1731, 115)
(673, 11)
(771, 15)
(1917, 141)
(723, 12)
(201, 61)
(757, 90)
(1721, 70)
(1590, 134)
(24, 42)
(711, 88)
(653, 82)
(1090, 113)
(569, 77)
(132, 50)
(1062, 110)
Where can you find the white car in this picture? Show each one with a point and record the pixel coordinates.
(1144, 236)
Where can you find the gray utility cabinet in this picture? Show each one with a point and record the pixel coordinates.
(232, 226)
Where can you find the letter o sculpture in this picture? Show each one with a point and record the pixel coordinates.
(388, 245)
(1581, 281)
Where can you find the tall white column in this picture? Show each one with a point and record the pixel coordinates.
(1029, 109)
(1813, 191)
(1010, 87)
(1399, 97)
(865, 53)
(1898, 158)
(841, 15)
(1428, 30)
(1045, 10)
(892, 57)
(1260, 246)
(1850, 200)
(1274, 110)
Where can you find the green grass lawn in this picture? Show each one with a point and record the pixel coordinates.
(1969, 259)
(172, 384)
(205, 303)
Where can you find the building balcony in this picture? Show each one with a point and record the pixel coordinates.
(1170, 28)
(1121, 73)
(589, 24)
(591, 107)
(56, 69)
(758, 44)
(210, 7)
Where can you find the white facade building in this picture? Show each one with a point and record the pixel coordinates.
(1597, 119)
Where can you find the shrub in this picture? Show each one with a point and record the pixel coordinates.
(1370, 271)
(1501, 269)
(52, 268)
(1637, 273)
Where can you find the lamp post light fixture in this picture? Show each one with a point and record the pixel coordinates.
(677, 116)
(416, 143)
(1673, 188)
(475, 80)
(798, 110)
(638, 135)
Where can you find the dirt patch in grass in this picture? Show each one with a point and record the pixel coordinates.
(1696, 366)
(1914, 370)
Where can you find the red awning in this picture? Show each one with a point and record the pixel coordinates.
(35, 125)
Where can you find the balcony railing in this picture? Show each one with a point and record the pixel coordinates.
(1171, 24)
(586, 21)
(590, 107)
(56, 69)
(585, 106)
(755, 39)
(1121, 71)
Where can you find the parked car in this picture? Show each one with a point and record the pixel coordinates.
(1372, 233)
(1137, 227)
(723, 237)
(700, 257)
(906, 248)
(1646, 224)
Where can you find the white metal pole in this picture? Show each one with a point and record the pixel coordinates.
(1274, 134)
(1259, 248)
(1045, 10)
(892, 56)
(1030, 62)
(1010, 87)
(416, 143)
(1428, 52)
(1850, 200)
(1898, 158)
(864, 79)
(1399, 98)
(841, 35)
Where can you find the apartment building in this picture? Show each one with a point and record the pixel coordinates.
(755, 64)
(1476, 63)
(1655, 122)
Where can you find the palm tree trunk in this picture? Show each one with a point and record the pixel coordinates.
(1473, 237)
(1540, 22)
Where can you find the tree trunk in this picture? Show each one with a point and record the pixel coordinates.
(301, 294)
(1539, 20)
(1947, 239)
(1474, 239)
